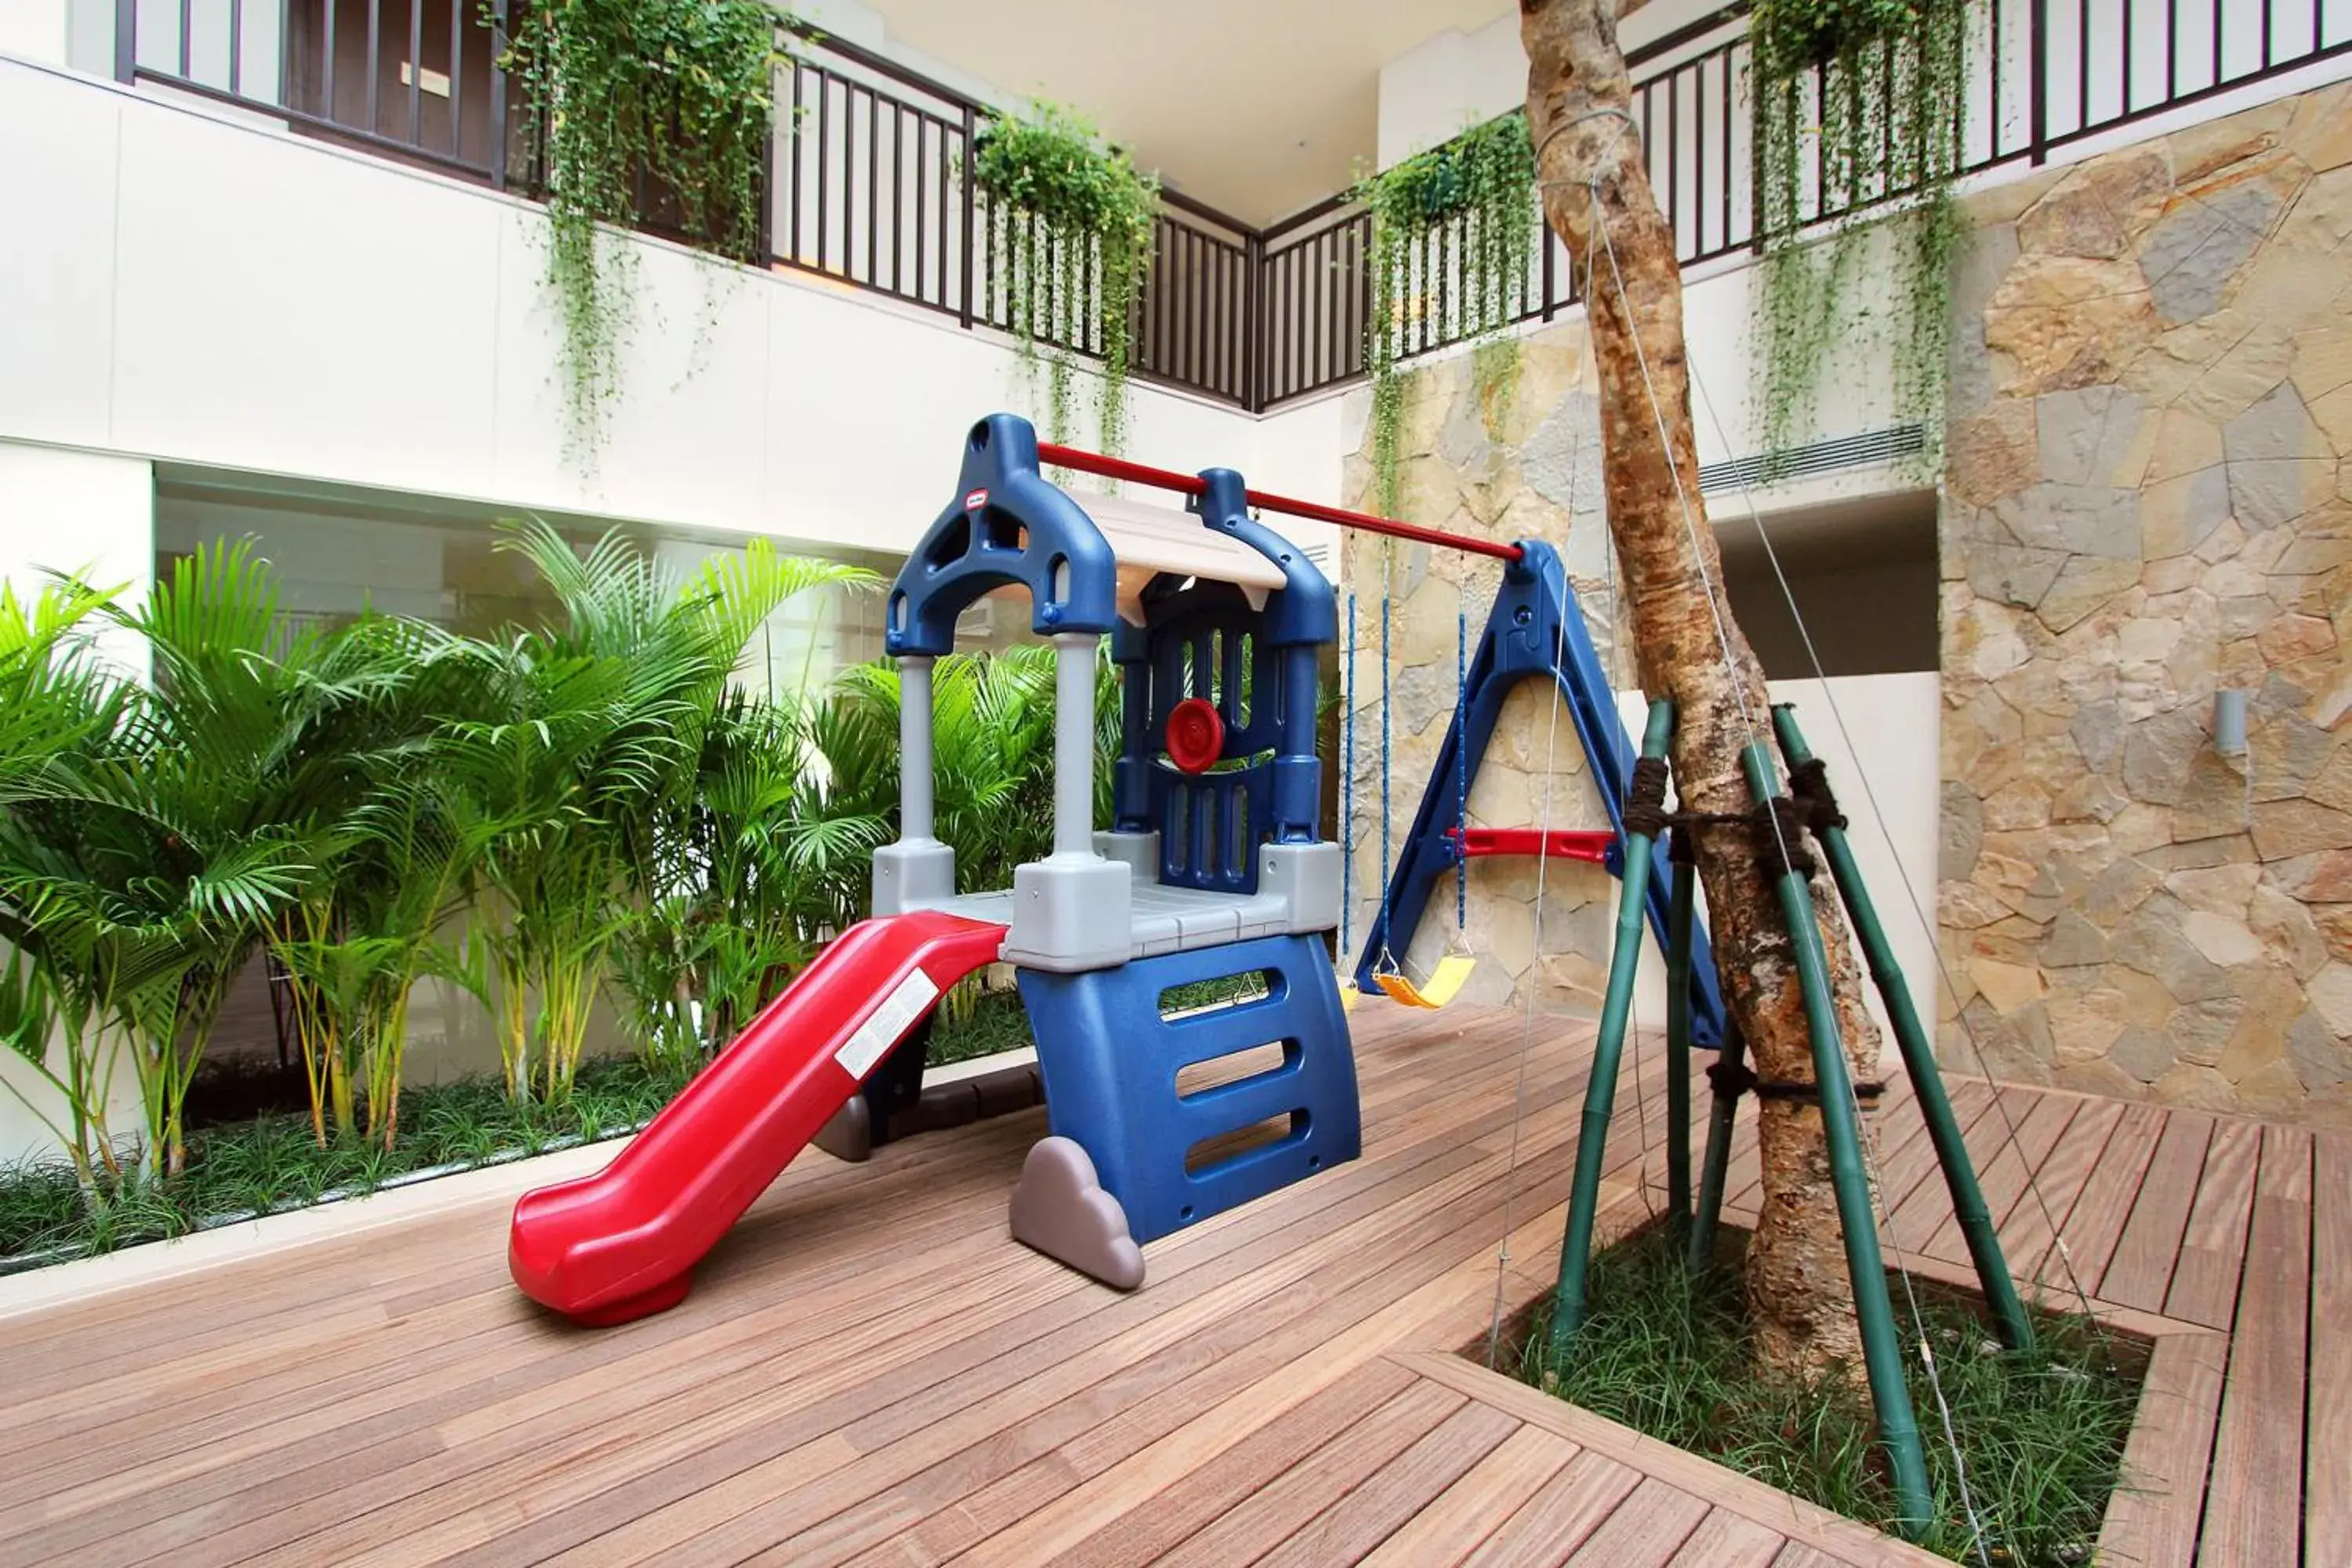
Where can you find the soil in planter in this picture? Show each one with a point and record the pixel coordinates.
(2040, 1434)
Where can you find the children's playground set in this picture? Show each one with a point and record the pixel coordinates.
(1212, 869)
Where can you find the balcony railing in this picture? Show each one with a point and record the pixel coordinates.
(866, 182)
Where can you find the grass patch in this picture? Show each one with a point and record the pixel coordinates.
(996, 1022)
(2040, 1434)
(244, 1164)
(273, 1162)
(1218, 993)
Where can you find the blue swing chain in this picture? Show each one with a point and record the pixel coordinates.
(1385, 861)
(1347, 789)
(1460, 772)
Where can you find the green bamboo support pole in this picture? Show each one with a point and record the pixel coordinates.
(1882, 1354)
(1600, 1090)
(1678, 1046)
(1919, 1061)
(1718, 1147)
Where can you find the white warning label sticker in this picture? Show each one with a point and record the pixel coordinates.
(908, 1001)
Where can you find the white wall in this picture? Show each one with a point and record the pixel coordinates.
(224, 295)
(34, 29)
(77, 511)
(1456, 78)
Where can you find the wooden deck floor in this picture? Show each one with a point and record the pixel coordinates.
(869, 1371)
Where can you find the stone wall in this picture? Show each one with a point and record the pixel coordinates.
(1528, 470)
(2146, 502)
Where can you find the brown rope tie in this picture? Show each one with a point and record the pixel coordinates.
(1809, 781)
(1866, 1089)
(1645, 798)
(1780, 824)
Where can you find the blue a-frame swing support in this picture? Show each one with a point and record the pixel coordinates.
(1535, 629)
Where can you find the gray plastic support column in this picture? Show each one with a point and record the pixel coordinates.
(1074, 744)
(917, 871)
(915, 746)
(1074, 910)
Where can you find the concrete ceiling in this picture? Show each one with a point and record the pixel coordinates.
(1257, 107)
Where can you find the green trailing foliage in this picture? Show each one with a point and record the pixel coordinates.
(652, 112)
(2040, 1433)
(1453, 230)
(1858, 109)
(1070, 221)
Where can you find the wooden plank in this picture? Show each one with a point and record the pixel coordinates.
(2141, 1269)
(1246, 1533)
(2328, 1440)
(2213, 1245)
(906, 1393)
(1457, 1522)
(138, 1403)
(2056, 1186)
(1125, 1437)
(1438, 1308)
(2096, 1224)
(493, 1334)
(782, 1500)
(749, 1415)
(1912, 1220)
(1797, 1554)
(1728, 1540)
(773, 1502)
(1645, 1531)
(1013, 1497)
(1727, 1489)
(1910, 1162)
(1562, 1515)
(1384, 1503)
(2253, 1503)
(604, 1377)
(2152, 1522)
(1245, 1470)
(2029, 1125)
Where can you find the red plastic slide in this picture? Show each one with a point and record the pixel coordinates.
(623, 1244)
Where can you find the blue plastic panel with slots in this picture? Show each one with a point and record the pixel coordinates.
(1110, 1063)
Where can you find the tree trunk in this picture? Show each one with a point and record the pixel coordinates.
(1688, 649)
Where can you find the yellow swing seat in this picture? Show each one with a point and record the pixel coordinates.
(1446, 982)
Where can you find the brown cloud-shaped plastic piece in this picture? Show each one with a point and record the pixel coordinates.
(1060, 1208)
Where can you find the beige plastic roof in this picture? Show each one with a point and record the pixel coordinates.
(1148, 540)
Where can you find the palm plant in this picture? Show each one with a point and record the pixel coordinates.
(588, 756)
(397, 857)
(765, 860)
(222, 800)
(55, 698)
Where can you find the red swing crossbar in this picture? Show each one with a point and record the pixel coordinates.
(1589, 845)
(1087, 462)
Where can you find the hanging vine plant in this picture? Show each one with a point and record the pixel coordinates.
(1452, 232)
(1081, 215)
(1872, 89)
(641, 112)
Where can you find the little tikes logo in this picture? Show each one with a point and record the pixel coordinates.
(975, 500)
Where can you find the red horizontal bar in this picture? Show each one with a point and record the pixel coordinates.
(1192, 485)
(1591, 846)
(1119, 469)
